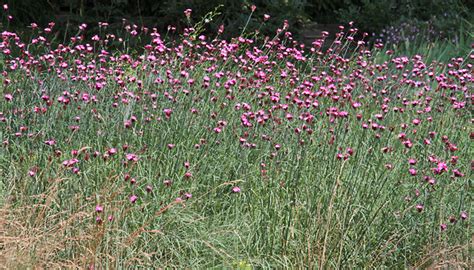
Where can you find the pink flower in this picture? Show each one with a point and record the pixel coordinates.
(131, 157)
(443, 227)
(99, 208)
(8, 97)
(82, 27)
(463, 215)
(266, 17)
(70, 162)
(187, 12)
(350, 151)
(441, 167)
(457, 173)
(167, 113)
(133, 198)
(149, 188)
(419, 207)
(407, 144)
(236, 189)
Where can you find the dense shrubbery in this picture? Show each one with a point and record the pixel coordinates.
(444, 18)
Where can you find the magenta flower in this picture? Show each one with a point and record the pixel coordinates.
(8, 97)
(419, 207)
(236, 189)
(187, 12)
(99, 208)
(350, 151)
(443, 227)
(457, 173)
(133, 198)
(167, 113)
(149, 188)
(441, 167)
(31, 173)
(131, 157)
(407, 143)
(50, 142)
(70, 162)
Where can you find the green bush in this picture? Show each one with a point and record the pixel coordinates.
(442, 19)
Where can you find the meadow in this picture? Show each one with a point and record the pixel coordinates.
(131, 150)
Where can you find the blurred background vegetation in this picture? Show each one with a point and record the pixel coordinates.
(391, 21)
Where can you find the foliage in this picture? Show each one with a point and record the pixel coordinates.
(371, 16)
(429, 19)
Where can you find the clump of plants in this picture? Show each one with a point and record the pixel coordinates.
(128, 149)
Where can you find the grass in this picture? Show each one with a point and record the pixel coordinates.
(304, 199)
